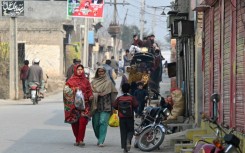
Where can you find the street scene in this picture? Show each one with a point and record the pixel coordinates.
(122, 76)
(30, 128)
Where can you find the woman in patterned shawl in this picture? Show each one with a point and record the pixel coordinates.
(104, 93)
(77, 118)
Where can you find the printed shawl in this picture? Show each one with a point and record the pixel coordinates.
(76, 81)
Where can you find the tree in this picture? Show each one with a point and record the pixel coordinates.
(127, 33)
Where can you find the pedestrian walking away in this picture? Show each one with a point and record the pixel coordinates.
(23, 77)
(114, 64)
(78, 118)
(104, 93)
(125, 105)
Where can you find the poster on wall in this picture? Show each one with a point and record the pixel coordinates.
(85, 8)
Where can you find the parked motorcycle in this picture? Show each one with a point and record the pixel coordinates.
(227, 144)
(151, 132)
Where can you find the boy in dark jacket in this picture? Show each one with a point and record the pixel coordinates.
(141, 96)
(125, 105)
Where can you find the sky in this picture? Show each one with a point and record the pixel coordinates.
(133, 16)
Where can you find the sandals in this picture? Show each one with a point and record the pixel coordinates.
(101, 145)
(79, 144)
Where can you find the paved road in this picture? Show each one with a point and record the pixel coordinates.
(27, 128)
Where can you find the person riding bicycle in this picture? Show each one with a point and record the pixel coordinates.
(35, 76)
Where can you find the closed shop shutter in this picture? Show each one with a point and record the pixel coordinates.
(206, 61)
(192, 78)
(226, 63)
(210, 2)
(240, 69)
(216, 65)
(180, 72)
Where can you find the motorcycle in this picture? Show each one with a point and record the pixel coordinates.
(34, 90)
(227, 144)
(151, 132)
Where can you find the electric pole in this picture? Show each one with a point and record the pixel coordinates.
(84, 55)
(13, 64)
(154, 22)
(142, 11)
(114, 29)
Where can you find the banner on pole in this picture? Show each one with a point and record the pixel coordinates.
(85, 8)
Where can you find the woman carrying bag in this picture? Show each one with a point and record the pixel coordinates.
(77, 94)
(104, 93)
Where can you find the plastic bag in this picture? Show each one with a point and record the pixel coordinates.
(79, 100)
(114, 120)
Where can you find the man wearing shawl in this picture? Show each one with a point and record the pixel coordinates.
(77, 118)
(104, 93)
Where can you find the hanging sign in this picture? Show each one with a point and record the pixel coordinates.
(85, 8)
(12, 8)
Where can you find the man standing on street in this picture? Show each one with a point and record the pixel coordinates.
(120, 64)
(109, 70)
(126, 59)
(114, 64)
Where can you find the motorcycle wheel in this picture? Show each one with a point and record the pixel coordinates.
(35, 101)
(150, 139)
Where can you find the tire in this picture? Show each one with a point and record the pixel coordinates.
(148, 136)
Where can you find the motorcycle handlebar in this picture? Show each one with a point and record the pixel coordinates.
(213, 121)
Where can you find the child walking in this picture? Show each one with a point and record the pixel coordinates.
(125, 105)
(141, 96)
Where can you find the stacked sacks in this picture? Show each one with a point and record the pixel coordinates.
(178, 106)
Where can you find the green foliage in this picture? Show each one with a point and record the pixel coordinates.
(73, 51)
(127, 34)
(4, 51)
(4, 70)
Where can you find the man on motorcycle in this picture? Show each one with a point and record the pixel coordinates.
(35, 75)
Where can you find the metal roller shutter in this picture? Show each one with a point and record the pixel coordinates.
(240, 69)
(216, 63)
(192, 78)
(226, 63)
(206, 61)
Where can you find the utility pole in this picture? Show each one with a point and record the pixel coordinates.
(142, 11)
(13, 61)
(115, 12)
(154, 21)
(124, 21)
(84, 51)
(115, 23)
